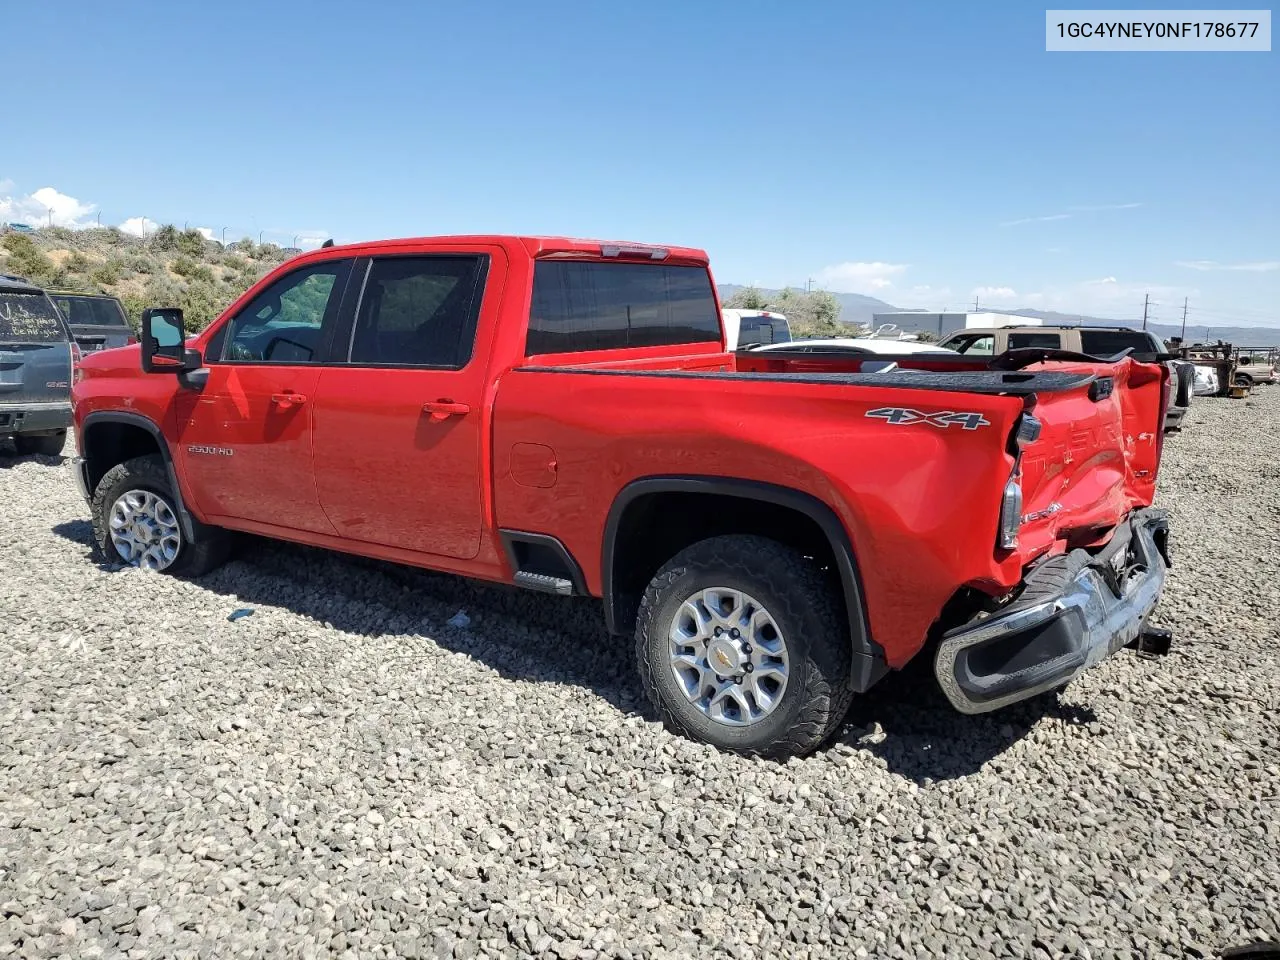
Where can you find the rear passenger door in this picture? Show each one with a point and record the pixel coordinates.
(401, 424)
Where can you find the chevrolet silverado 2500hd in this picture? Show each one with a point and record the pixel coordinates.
(775, 529)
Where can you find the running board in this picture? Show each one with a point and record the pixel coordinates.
(543, 583)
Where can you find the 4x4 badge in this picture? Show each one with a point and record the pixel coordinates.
(942, 418)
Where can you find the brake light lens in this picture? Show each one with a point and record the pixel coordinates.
(633, 250)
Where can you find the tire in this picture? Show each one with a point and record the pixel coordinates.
(1186, 386)
(802, 605)
(1243, 380)
(149, 479)
(42, 444)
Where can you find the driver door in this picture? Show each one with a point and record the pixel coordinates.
(245, 445)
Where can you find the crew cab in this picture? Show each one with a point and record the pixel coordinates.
(775, 530)
(1095, 341)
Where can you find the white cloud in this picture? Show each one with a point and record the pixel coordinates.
(1022, 220)
(1257, 266)
(206, 232)
(860, 276)
(6, 185)
(1107, 206)
(139, 227)
(47, 206)
(999, 294)
(312, 238)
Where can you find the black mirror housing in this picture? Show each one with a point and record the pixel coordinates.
(164, 340)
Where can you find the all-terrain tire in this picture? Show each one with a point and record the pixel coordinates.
(802, 601)
(41, 444)
(197, 555)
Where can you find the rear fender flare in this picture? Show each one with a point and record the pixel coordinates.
(868, 661)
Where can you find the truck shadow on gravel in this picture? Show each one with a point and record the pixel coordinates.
(904, 720)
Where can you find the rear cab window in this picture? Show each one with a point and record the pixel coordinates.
(581, 305)
(29, 318)
(762, 330)
(90, 311)
(1107, 343)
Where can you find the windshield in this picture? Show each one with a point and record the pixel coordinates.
(90, 311)
(29, 318)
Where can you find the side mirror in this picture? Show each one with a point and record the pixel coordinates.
(163, 340)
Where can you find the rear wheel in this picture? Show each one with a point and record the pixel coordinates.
(136, 522)
(1244, 380)
(741, 644)
(43, 444)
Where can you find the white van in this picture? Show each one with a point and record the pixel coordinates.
(750, 328)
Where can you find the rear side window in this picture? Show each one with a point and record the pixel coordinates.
(763, 330)
(1044, 341)
(418, 312)
(91, 311)
(29, 318)
(607, 306)
(981, 346)
(1107, 343)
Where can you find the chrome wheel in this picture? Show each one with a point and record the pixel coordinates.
(728, 656)
(144, 530)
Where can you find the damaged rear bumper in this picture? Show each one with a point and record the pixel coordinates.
(1071, 614)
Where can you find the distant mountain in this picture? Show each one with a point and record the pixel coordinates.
(856, 308)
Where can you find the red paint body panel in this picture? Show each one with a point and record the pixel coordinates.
(360, 466)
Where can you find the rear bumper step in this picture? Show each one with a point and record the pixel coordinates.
(1081, 612)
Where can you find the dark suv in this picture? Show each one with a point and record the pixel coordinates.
(37, 356)
(98, 322)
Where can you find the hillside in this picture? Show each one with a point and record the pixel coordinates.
(171, 267)
(854, 307)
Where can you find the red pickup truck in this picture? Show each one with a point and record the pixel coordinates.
(776, 530)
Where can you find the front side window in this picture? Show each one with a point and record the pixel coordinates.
(283, 324)
(1044, 341)
(591, 305)
(983, 346)
(419, 311)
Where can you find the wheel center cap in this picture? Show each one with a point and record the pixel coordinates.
(725, 656)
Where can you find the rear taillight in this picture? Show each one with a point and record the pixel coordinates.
(1011, 512)
(75, 354)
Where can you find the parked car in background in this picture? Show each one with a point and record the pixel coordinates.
(774, 530)
(37, 357)
(97, 321)
(1093, 341)
(1254, 368)
(1206, 380)
(870, 346)
(749, 328)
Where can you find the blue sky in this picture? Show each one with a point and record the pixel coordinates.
(923, 153)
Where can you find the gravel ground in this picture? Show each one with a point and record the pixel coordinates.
(346, 773)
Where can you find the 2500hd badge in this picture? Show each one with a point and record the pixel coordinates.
(210, 451)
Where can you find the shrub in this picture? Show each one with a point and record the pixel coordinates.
(77, 263)
(166, 238)
(140, 263)
(191, 242)
(108, 274)
(28, 260)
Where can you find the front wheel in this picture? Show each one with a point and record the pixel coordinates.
(1244, 380)
(136, 523)
(42, 444)
(741, 644)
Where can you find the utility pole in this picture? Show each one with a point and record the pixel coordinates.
(975, 304)
(1184, 317)
(260, 232)
(808, 285)
(1145, 304)
(224, 236)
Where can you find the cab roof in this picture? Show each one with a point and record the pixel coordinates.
(540, 248)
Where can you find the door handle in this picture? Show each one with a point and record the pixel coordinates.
(443, 409)
(287, 400)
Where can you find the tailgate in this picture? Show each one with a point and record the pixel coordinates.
(1096, 457)
(94, 337)
(35, 354)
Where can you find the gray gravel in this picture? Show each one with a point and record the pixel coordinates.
(345, 773)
